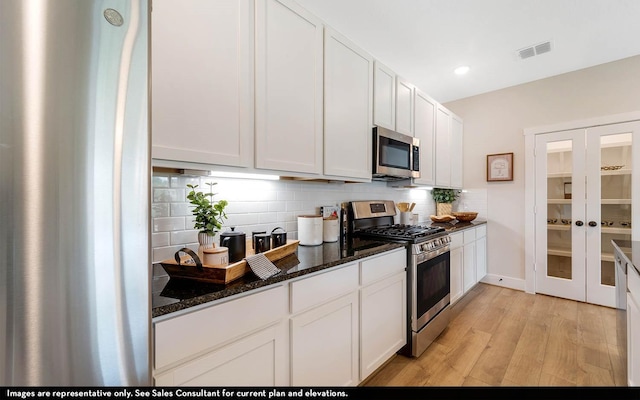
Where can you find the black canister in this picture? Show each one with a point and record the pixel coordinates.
(278, 238)
(236, 242)
(261, 242)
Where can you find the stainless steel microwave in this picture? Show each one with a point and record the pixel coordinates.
(396, 156)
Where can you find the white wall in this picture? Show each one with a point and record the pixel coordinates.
(494, 123)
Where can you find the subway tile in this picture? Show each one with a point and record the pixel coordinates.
(182, 181)
(160, 239)
(184, 237)
(168, 195)
(160, 181)
(160, 210)
(181, 209)
(168, 224)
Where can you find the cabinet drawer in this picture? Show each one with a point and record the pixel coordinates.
(318, 289)
(469, 236)
(633, 282)
(383, 265)
(190, 334)
(481, 231)
(456, 240)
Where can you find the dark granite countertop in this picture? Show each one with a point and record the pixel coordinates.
(455, 225)
(172, 295)
(630, 249)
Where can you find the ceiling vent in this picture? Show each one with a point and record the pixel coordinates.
(534, 50)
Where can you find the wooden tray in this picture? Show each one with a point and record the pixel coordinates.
(188, 268)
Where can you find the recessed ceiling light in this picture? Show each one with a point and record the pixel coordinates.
(461, 70)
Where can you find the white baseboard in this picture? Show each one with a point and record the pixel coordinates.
(504, 281)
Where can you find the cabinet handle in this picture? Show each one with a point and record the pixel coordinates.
(579, 223)
(593, 223)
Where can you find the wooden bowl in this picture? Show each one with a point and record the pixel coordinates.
(442, 218)
(465, 216)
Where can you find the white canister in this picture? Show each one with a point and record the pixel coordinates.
(330, 229)
(216, 257)
(310, 230)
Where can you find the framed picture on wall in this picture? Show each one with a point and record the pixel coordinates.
(500, 167)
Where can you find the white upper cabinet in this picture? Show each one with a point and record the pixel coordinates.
(404, 106)
(448, 149)
(443, 147)
(456, 151)
(348, 108)
(384, 96)
(424, 129)
(202, 81)
(289, 88)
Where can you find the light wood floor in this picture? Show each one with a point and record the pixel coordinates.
(504, 337)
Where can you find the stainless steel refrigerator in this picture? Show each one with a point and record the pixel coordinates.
(74, 193)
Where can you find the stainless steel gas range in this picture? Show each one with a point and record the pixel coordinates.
(428, 266)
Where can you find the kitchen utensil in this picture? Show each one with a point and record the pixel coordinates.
(465, 216)
(278, 238)
(235, 242)
(310, 230)
(411, 206)
(216, 257)
(261, 242)
(403, 207)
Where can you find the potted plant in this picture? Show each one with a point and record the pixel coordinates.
(444, 198)
(209, 215)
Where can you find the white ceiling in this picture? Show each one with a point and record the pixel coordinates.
(424, 40)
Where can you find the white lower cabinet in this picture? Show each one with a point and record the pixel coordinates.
(330, 328)
(383, 309)
(255, 360)
(224, 344)
(468, 259)
(324, 335)
(456, 257)
(633, 326)
(324, 344)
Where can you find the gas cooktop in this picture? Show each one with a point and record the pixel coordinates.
(402, 232)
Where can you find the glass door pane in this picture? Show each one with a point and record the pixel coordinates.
(559, 176)
(615, 195)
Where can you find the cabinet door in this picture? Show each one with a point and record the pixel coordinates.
(289, 85)
(384, 96)
(424, 129)
(348, 83)
(324, 344)
(469, 266)
(456, 152)
(633, 347)
(481, 258)
(404, 106)
(457, 266)
(202, 86)
(443, 147)
(383, 326)
(257, 360)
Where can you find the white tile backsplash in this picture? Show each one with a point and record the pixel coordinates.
(265, 205)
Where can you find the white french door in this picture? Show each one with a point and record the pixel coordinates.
(560, 230)
(584, 191)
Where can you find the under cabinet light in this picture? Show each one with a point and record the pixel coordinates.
(243, 175)
(461, 70)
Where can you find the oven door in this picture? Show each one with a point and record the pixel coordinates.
(431, 294)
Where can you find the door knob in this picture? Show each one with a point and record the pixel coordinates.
(593, 223)
(579, 223)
